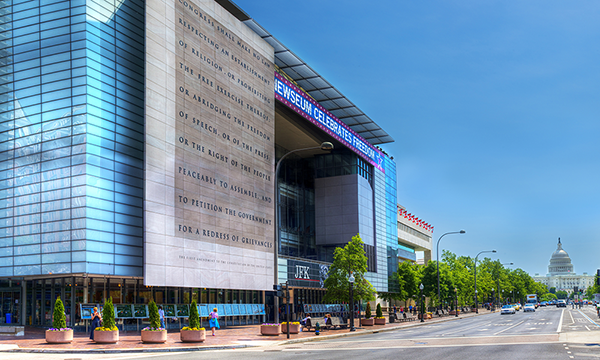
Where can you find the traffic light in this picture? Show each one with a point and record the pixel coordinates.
(279, 292)
(598, 277)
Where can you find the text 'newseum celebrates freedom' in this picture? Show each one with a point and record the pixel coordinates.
(311, 110)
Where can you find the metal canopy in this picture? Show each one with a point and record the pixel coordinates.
(314, 84)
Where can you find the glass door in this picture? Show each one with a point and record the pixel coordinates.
(10, 306)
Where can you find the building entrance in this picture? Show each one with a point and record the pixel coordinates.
(10, 302)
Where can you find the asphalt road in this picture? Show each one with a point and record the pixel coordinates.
(549, 333)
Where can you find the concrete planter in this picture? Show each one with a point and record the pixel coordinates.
(106, 337)
(294, 329)
(59, 337)
(154, 337)
(380, 321)
(453, 312)
(188, 336)
(270, 330)
(367, 322)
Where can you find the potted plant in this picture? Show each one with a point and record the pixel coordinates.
(193, 332)
(379, 319)
(154, 334)
(108, 333)
(59, 333)
(367, 321)
(270, 329)
(294, 327)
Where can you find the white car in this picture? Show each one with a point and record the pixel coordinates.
(529, 307)
(507, 309)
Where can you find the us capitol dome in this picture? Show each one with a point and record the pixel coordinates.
(561, 275)
(560, 262)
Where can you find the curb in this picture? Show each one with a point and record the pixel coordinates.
(226, 347)
(124, 351)
(375, 331)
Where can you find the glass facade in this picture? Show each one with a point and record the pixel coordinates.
(71, 137)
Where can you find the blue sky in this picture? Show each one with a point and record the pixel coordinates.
(494, 107)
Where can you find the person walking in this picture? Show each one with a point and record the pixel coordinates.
(96, 318)
(213, 322)
(161, 316)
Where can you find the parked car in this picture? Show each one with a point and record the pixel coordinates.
(507, 309)
(529, 307)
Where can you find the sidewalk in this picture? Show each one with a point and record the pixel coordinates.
(226, 338)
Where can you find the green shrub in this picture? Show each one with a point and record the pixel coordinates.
(108, 315)
(194, 318)
(59, 320)
(378, 312)
(368, 311)
(154, 318)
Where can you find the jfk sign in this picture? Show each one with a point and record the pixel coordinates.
(306, 274)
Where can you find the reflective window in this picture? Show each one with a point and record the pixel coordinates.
(73, 138)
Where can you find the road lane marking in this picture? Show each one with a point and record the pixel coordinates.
(572, 320)
(560, 321)
(468, 328)
(402, 346)
(587, 317)
(508, 328)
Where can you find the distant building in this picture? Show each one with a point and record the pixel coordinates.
(561, 274)
(414, 235)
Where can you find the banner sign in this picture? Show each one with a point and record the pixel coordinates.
(306, 274)
(295, 99)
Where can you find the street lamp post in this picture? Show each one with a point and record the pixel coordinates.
(325, 146)
(485, 251)
(422, 302)
(455, 302)
(437, 250)
(351, 281)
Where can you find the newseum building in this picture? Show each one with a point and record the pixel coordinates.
(138, 152)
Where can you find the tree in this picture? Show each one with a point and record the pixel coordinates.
(378, 312)
(548, 297)
(350, 259)
(154, 318)
(368, 311)
(108, 315)
(561, 294)
(194, 318)
(552, 290)
(59, 320)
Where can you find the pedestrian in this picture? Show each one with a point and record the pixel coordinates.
(410, 308)
(96, 318)
(161, 316)
(303, 321)
(213, 322)
(395, 309)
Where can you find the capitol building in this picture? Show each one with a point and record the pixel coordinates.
(561, 275)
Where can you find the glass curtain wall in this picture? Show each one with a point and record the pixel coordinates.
(71, 137)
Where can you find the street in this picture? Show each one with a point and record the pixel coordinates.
(548, 333)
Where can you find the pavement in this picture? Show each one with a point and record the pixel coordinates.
(226, 338)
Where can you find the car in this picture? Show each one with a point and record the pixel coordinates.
(561, 303)
(517, 307)
(544, 303)
(529, 307)
(507, 309)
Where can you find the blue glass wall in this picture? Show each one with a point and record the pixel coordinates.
(391, 214)
(71, 137)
